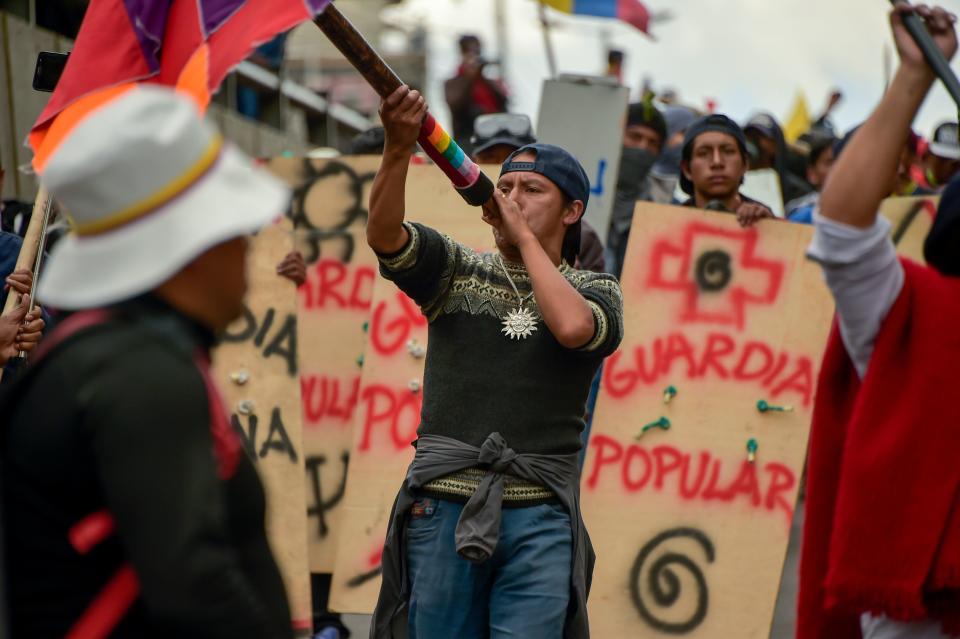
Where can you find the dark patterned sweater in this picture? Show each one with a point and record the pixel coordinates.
(477, 379)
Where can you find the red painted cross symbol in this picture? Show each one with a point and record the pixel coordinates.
(718, 272)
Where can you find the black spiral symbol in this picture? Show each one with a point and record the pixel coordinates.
(664, 583)
(713, 271)
(337, 230)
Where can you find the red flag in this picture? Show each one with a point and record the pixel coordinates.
(189, 44)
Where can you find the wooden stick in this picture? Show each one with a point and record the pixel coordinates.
(475, 187)
(31, 242)
(30, 250)
(358, 51)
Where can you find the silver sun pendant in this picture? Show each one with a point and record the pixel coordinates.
(520, 324)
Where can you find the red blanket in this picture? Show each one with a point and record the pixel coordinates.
(882, 530)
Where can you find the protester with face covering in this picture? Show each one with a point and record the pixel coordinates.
(713, 162)
(643, 138)
(769, 151)
(130, 507)
(881, 539)
(665, 174)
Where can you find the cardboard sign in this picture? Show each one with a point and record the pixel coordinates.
(585, 116)
(911, 219)
(388, 409)
(763, 185)
(329, 209)
(690, 526)
(256, 367)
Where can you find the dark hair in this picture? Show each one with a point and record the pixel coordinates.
(817, 143)
(570, 248)
(466, 40)
(645, 114)
(614, 55)
(713, 122)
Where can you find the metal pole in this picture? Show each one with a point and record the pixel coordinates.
(503, 45)
(547, 44)
(941, 67)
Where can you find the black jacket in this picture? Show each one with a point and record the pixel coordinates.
(117, 417)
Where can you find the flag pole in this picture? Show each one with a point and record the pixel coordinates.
(472, 185)
(31, 251)
(934, 57)
(503, 46)
(547, 44)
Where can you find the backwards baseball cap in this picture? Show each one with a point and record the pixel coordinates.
(714, 122)
(512, 129)
(946, 141)
(564, 170)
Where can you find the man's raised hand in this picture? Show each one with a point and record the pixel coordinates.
(939, 22)
(402, 113)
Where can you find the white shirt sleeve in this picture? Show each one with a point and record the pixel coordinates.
(862, 270)
(878, 627)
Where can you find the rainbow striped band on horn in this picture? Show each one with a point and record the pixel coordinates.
(447, 154)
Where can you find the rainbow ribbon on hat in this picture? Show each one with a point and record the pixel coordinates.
(447, 154)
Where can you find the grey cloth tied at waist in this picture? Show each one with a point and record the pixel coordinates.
(478, 529)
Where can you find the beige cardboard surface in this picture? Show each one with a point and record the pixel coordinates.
(911, 219)
(690, 535)
(329, 208)
(262, 345)
(388, 409)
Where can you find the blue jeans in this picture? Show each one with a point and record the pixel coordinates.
(522, 591)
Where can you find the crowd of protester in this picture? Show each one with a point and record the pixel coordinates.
(80, 453)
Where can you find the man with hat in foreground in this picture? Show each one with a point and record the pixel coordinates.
(881, 539)
(713, 164)
(131, 509)
(486, 538)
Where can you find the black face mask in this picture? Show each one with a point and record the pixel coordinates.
(635, 164)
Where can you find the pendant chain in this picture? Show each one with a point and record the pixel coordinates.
(521, 298)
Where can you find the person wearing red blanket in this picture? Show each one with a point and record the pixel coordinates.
(881, 541)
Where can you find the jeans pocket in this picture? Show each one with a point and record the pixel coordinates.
(424, 517)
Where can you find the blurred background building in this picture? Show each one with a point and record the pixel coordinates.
(296, 94)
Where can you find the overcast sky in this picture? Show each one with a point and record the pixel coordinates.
(747, 55)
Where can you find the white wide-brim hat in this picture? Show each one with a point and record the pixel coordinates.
(148, 187)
